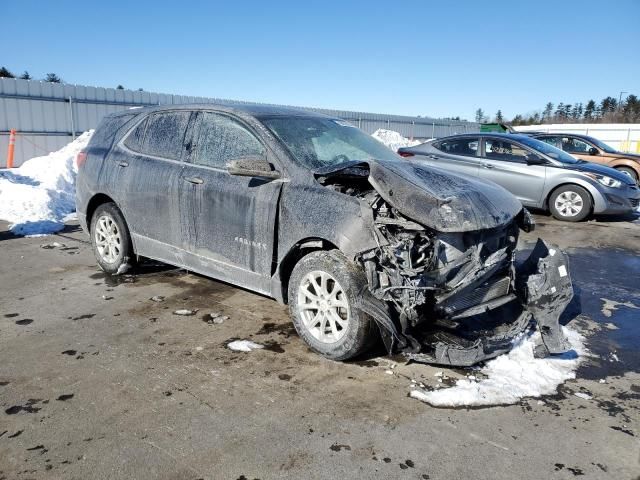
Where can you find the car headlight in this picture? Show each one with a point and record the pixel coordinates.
(606, 181)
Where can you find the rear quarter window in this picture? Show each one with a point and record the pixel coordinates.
(136, 138)
(108, 130)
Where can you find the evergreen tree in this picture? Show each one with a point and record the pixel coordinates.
(590, 110)
(4, 73)
(25, 76)
(499, 117)
(608, 105)
(119, 87)
(546, 114)
(566, 114)
(579, 111)
(479, 115)
(52, 78)
(574, 112)
(559, 111)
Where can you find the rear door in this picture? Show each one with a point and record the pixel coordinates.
(227, 218)
(459, 154)
(146, 168)
(505, 163)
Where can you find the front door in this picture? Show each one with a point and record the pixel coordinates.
(228, 221)
(505, 163)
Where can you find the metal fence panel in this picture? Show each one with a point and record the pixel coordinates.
(48, 115)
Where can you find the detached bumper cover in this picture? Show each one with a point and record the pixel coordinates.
(543, 291)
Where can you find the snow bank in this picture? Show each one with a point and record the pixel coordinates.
(243, 345)
(393, 140)
(37, 197)
(512, 376)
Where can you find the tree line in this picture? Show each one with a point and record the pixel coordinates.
(608, 110)
(49, 77)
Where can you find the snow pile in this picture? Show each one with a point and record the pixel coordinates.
(36, 197)
(393, 140)
(243, 345)
(512, 376)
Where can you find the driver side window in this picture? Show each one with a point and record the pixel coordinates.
(503, 150)
(222, 139)
(574, 145)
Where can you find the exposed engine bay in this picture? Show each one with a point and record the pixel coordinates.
(456, 297)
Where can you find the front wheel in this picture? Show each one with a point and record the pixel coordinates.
(322, 293)
(570, 203)
(110, 239)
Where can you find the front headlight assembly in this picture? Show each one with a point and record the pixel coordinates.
(606, 181)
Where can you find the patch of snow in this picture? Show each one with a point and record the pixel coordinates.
(243, 345)
(512, 376)
(393, 139)
(611, 305)
(584, 396)
(185, 312)
(37, 197)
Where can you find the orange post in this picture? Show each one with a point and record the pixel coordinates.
(12, 147)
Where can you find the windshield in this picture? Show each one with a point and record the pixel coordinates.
(601, 145)
(319, 142)
(549, 150)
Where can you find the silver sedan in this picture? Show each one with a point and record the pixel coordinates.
(538, 174)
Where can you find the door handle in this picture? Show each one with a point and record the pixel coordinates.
(123, 164)
(487, 165)
(435, 157)
(194, 180)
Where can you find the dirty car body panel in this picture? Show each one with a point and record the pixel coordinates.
(437, 248)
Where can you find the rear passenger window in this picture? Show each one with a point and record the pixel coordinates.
(135, 138)
(165, 134)
(459, 146)
(223, 139)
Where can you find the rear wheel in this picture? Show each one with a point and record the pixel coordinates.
(322, 293)
(111, 240)
(629, 171)
(570, 203)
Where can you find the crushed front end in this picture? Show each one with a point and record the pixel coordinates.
(458, 298)
(443, 281)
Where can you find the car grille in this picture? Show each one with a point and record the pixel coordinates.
(479, 295)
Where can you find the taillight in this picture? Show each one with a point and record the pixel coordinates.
(405, 154)
(80, 159)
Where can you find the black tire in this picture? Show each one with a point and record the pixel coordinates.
(629, 171)
(576, 196)
(358, 333)
(124, 259)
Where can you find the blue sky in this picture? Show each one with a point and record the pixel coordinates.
(406, 57)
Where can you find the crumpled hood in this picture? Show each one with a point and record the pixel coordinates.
(442, 200)
(600, 170)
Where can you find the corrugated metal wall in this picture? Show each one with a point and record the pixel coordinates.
(48, 115)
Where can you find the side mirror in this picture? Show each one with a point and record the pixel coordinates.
(252, 167)
(535, 160)
(593, 151)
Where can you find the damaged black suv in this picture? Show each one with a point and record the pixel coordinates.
(315, 213)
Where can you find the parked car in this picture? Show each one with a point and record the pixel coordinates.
(538, 174)
(591, 149)
(315, 213)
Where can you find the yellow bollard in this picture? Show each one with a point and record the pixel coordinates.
(12, 147)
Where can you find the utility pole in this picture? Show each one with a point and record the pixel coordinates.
(620, 100)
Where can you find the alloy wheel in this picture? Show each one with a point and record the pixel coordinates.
(323, 306)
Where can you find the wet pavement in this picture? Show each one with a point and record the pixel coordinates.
(99, 378)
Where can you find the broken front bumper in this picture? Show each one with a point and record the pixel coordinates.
(543, 290)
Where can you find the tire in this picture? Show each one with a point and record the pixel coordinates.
(111, 240)
(570, 203)
(629, 171)
(339, 282)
